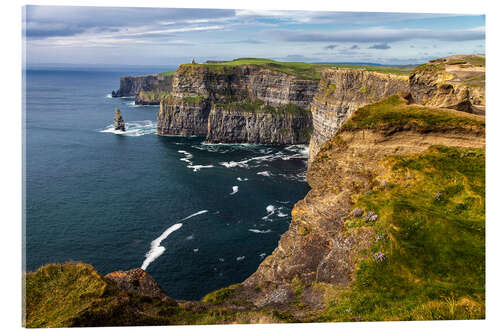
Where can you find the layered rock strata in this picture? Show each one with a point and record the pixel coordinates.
(340, 93)
(203, 94)
(132, 86)
(456, 82)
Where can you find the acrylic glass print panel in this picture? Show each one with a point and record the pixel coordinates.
(203, 166)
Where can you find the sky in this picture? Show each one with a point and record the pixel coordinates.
(171, 36)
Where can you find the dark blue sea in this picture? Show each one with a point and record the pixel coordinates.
(197, 217)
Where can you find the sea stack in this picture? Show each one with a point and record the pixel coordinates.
(119, 122)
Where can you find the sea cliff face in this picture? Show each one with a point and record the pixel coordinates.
(145, 88)
(456, 82)
(340, 93)
(227, 103)
(258, 127)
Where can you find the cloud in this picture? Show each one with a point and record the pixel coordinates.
(378, 35)
(354, 47)
(383, 46)
(330, 47)
(53, 21)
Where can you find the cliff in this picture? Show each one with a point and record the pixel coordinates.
(456, 82)
(393, 227)
(341, 92)
(224, 104)
(388, 191)
(148, 89)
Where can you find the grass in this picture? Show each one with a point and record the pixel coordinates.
(220, 295)
(393, 112)
(169, 73)
(300, 69)
(434, 248)
(153, 95)
(257, 105)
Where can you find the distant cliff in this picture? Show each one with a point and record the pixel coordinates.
(148, 89)
(225, 104)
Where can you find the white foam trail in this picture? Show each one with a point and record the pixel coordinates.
(188, 155)
(241, 179)
(264, 173)
(157, 250)
(190, 237)
(134, 128)
(270, 209)
(196, 250)
(109, 96)
(197, 213)
(280, 214)
(257, 231)
(235, 190)
(240, 258)
(262, 255)
(196, 168)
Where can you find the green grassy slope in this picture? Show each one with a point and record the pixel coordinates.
(429, 258)
(300, 69)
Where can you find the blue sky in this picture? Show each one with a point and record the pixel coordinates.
(163, 36)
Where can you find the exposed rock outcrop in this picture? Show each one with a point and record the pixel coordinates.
(203, 97)
(119, 123)
(317, 248)
(138, 281)
(340, 93)
(456, 82)
(132, 86)
(227, 126)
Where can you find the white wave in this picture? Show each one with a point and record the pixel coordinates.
(262, 255)
(265, 173)
(240, 258)
(235, 190)
(283, 202)
(190, 237)
(241, 179)
(188, 155)
(196, 168)
(196, 250)
(280, 214)
(109, 96)
(195, 214)
(157, 250)
(270, 209)
(301, 149)
(134, 128)
(257, 231)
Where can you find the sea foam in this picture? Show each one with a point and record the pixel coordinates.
(156, 249)
(235, 190)
(134, 128)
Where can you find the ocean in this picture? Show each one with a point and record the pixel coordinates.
(197, 217)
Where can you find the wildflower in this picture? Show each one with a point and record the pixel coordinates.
(379, 256)
(371, 216)
(357, 212)
(437, 196)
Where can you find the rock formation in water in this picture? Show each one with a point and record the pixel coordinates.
(119, 123)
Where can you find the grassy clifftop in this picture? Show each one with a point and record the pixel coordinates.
(428, 260)
(302, 70)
